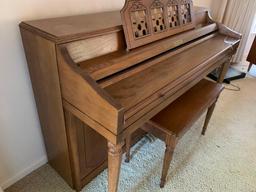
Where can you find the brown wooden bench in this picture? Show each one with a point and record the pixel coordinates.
(172, 123)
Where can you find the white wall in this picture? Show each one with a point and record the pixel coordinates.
(203, 3)
(21, 144)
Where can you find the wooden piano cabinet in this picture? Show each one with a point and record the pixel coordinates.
(91, 92)
(88, 150)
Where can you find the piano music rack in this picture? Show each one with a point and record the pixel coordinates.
(146, 21)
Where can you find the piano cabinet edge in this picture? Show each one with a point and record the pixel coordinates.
(41, 59)
(223, 29)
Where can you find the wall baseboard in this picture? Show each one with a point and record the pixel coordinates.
(23, 173)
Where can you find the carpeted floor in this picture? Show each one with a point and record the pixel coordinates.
(222, 161)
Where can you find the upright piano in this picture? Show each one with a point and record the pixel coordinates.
(92, 88)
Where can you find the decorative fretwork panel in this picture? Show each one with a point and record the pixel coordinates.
(157, 16)
(139, 23)
(146, 21)
(173, 13)
(185, 12)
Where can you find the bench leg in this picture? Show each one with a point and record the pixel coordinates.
(208, 117)
(170, 146)
(128, 148)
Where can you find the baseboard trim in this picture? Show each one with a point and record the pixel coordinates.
(23, 173)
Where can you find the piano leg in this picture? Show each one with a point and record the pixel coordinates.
(223, 72)
(114, 165)
(170, 143)
(208, 117)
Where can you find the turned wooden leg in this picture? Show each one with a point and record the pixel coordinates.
(128, 148)
(250, 66)
(114, 165)
(170, 146)
(208, 117)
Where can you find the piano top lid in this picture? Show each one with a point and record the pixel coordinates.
(69, 28)
(66, 29)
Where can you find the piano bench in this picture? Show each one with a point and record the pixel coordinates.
(172, 123)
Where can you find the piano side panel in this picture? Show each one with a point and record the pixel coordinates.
(82, 93)
(41, 59)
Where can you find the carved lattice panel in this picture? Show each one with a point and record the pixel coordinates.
(157, 16)
(139, 23)
(173, 13)
(146, 21)
(185, 12)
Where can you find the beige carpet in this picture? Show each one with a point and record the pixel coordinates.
(222, 161)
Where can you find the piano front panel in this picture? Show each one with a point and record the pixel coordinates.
(96, 46)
